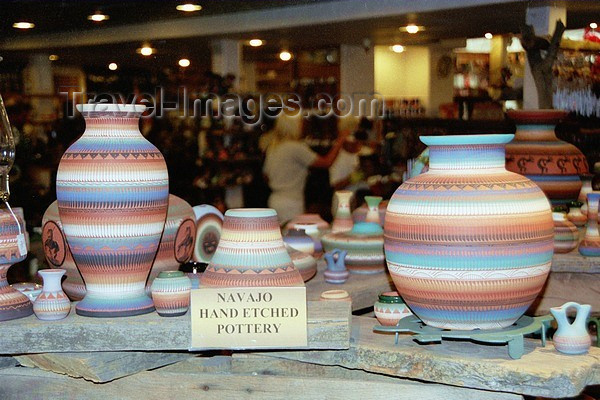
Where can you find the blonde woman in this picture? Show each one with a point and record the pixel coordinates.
(287, 162)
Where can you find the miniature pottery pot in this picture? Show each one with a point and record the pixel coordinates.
(468, 244)
(52, 304)
(29, 289)
(586, 187)
(112, 188)
(537, 153)
(390, 309)
(566, 234)
(360, 213)
(13, 304)
(304, 263)
(335, 295)
(572, 338)
(171, 293)
(336, 271)
(342, 221)
(590, 245)
(300, 241)
(575, 214)
(312, 230)
(322, 225)
(251, 252)
(373, 209)
(209, 223)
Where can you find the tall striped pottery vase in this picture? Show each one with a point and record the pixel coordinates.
(468, 244)
(538, 154)
(590, 245)
(251, 252)
(342, 221)
(112, 188)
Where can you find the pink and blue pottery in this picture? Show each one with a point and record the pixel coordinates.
(566, 234)
(335, 295)
(303, 262)
(112, 188)
(390, 309)
(251, 252)
(13, 304)
(322, 225)
(30, 289)
(373, 210)
(360, 213)
(590, 245)
(52, 304)
(336, 271)
(209, 224)
(572, 338)
(311, 229)
(342, 221)
(300, 241)
(575, 214)
(467, 243)
(171, 293)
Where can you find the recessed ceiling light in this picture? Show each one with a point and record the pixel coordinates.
(23, 25)
(184, 62)
(113, 66)
(412, 28)
(53, 57)
(189, 7)
(397, 48)
(488, 35)
(285, 55)
(98, 17)
(145, 51)
(255, 42)
(593, 25)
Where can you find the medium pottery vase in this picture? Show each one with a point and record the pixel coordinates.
(566, 234)
(575, 214)
(312, 230)
(586, 187)
(538, 154)
(572, 338)
(336, 271)
(112, 188)
(209, 224)
(171, 293)
(29, 289)
(468, 244)
(590, 245)
(303, 262)
(360, 213)
(13, 304)
(251, 252)
(322, 225)
(300, 241)
(342, 221)
(390, 309)
(52, 304)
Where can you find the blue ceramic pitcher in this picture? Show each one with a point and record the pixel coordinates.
(572, 338)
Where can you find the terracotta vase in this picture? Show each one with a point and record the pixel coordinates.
(251, 252)
(590, 245)
(360, 213)
(390, 309)
(575, 214)
(342, 221)
(468, 244)
(586, 187)
(312, 230)
(112, 188)
(300, 241)
(572, 338)
(13, 304)
(538, 154)
(171, 293)
(566, 234)
(52, 304)
(303, 262)
(322, 225)
(209, 224)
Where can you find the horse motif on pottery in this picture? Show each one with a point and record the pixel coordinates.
(51, 244)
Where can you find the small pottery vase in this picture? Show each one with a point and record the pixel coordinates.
(468, 244)
(335, 295)
(13, 304)
(342, 221)
(586, 187)
(590, 245)
(112, 188)
(322, 225)
(566, 234)
(538, 154)
(575, 215)
(29, 289)
(303, 262)
(390, 309)
(360, 213)
(209, 224)
(251, 252)
(312, 230)
(373, 209)
(572, 338)
(52, 304)
(300, 241)
(336, 271)
(171, 293)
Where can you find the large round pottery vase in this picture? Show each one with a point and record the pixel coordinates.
(112, 187)
(538, 154)
(13, 304)
(251, 252)
(209, 223)
(468, 244)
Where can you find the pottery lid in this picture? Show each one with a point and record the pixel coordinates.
(170, 274)
(251, 212)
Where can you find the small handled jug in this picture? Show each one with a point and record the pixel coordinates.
(336, 271)
(572, 338)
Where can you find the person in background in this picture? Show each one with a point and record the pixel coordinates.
(287, 162)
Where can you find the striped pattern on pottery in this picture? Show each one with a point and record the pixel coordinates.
(468, 244)
(52, 306)
(590, 245)
(572, 344)
(171, 293)
(566, 234)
